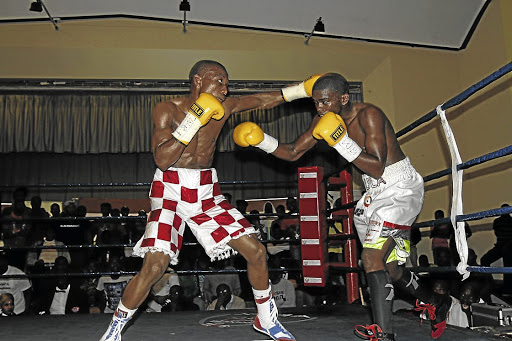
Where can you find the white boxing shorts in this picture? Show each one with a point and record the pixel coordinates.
(193, 197)
(389, 207)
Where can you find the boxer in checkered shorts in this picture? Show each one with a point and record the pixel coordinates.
(185, 190)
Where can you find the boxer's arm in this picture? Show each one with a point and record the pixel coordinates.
(372, 160)
(294, 151)
(264, 100)
(166, 149)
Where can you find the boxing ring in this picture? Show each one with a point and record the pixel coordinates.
(326, 322)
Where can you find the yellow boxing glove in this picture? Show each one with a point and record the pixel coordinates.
(333, 130)
(199, 114)
(250, 134)
(301, 90)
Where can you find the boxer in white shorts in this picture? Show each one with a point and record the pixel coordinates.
(182, 196)
(389, 207)
(392, 202)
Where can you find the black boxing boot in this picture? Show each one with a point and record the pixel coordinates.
(381, 294)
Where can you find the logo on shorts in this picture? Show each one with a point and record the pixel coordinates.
(367, 200)
(375, 223)
(197, 110)
(338, 133)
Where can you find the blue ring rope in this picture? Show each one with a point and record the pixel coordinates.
(473, 162)
(467, 217)
(459, 98)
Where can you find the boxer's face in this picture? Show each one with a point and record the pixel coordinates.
(214, 80)
(326, 100)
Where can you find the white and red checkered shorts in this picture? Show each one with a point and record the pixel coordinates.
(193, 197)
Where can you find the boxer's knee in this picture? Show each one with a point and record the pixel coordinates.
(155, 265)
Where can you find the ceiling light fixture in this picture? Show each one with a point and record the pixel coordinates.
(185, 7)
(319, 27)
(38, 6)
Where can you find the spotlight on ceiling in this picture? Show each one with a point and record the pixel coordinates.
(36, 6)
(185, 7)
(319, 27)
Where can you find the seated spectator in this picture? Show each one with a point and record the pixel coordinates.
(89, 284)
(241, 205)
(20, 288)
(112, 286)
(228, 197)
(176, 301)
(226, 300)
(211, 282)
(254, 219)
(46, 257)
(161, 290)
(283, 290)
(292, 206)
(460, 311)
(61, 295)
(423, 261)
(7, 304)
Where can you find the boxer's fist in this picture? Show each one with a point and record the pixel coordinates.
(250, 134)
(199, 114)
(333, 130)
(247, 134)
(301, 90)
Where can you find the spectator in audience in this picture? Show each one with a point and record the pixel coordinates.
(440, 234)
(20, 288)
(55, 210)
(415, 239)
(177, 301)
(226, 300)
(89, 284)
(283, 290)
(292, 206)
(502, 227)
(46, 257)
(7, 304)
(112, 286)
(16, 230)
(38, 227)
(241, 205)
(423, 261)
(266, 221)
(161, 290)
(100, 225)
(211, 282)
(61, 295)
(228, 197)
(254, 219)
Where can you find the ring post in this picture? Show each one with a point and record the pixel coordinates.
(346, 216)
(313, 230)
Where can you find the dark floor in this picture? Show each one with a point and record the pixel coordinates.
(323, 323)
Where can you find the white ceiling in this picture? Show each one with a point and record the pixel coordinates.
(445, 24)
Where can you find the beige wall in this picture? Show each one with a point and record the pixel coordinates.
(405, 82)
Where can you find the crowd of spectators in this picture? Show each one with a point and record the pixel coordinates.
(107, 270)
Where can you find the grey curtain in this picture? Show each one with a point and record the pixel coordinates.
(90, 138)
